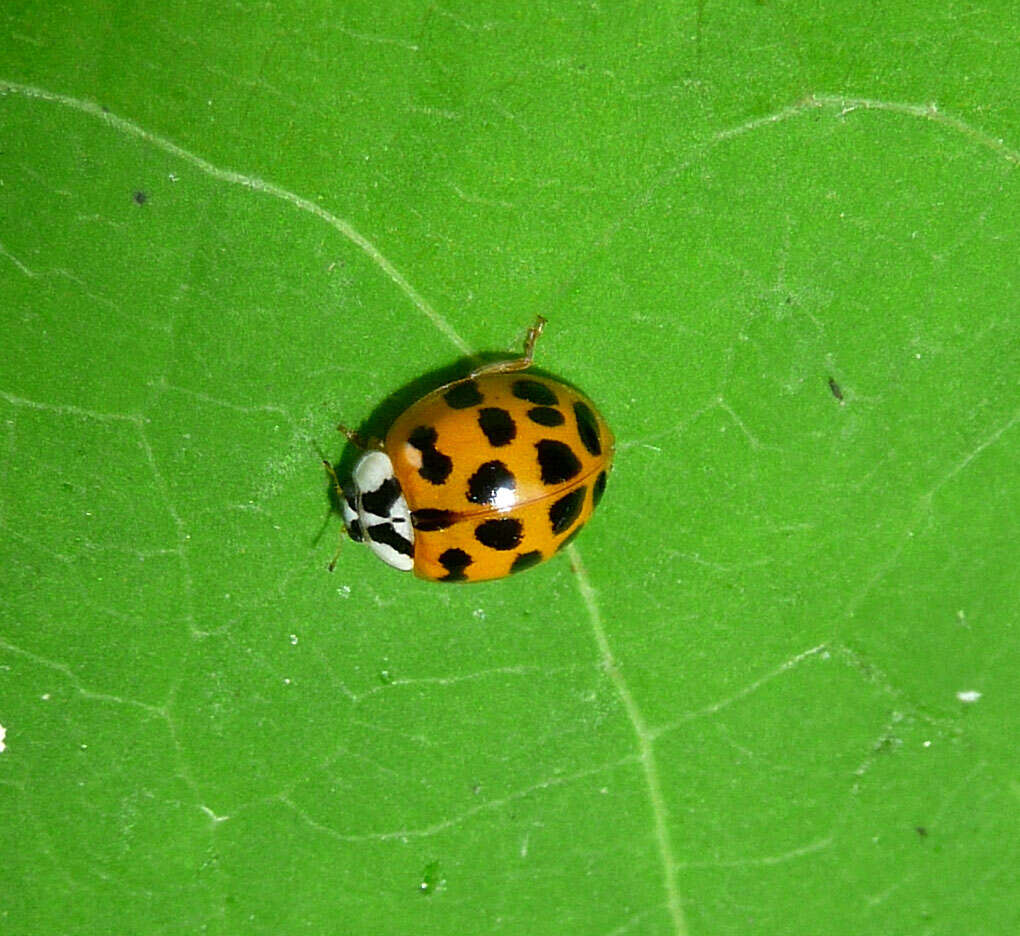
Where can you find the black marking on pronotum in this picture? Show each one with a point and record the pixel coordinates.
(354, 530)
(569, 538)
(381, 500)
(497, 424)
(455, 561)
(435, 466)
(526, 561)
(546, 416)
(429, 519)
(557, 461)
(534, 392)
(385, 534)
(485, 485)
(564, 511)
(505, 533)
(598, 489)
(587, 427)
(462, 395)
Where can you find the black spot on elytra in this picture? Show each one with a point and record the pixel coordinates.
(381, 500)
(569, 538)
(564, 511)
(557, 461)
(546, 416)
(526, 561)
(385, 534)
(587, 427)
(598, 489)
(430, 518)
(497, 424)
(505, 533)
(435, 466)
(485, 485)
(463, 394)
(534, 392)
(423, 437)
(455, 561)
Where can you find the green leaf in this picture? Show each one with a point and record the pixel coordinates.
(772, 687)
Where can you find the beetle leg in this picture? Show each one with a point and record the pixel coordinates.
(336, 481)
(339, 493)
(358, 441)
(515, 364)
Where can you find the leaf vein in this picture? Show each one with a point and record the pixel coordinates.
(254, 183)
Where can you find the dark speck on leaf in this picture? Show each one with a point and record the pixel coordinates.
(140, 198)
(837, 391)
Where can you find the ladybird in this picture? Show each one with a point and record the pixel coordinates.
(483, 478)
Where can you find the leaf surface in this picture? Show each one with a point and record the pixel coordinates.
(772, 687)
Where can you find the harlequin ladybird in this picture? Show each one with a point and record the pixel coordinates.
(484, 477)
